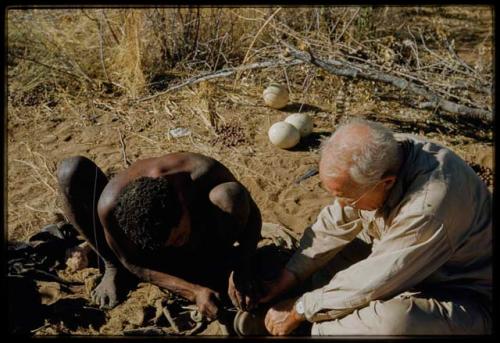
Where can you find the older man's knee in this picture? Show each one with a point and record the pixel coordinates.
(393, 317)
(396, 317)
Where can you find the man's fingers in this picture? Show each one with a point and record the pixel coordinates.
(249, 303)
(101, 303)
(112, 302)
(239, 300)
(232, 297)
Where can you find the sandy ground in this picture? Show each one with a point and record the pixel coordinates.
(39, 135)
(268, 172)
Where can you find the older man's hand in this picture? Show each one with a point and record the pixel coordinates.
(281, 319)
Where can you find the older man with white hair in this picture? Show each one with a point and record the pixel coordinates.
(404, 249)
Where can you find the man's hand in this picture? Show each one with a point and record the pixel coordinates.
(207, 301)
(243, 291)
(281, 319)
(106, 293)
(283, 283)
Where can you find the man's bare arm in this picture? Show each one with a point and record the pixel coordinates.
(205, 298)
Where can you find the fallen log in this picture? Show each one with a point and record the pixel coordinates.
(434, 101)
(223, 73)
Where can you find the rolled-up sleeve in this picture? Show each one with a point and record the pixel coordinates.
(334, 228)
(413, 248)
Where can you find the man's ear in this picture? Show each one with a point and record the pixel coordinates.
(389, 181)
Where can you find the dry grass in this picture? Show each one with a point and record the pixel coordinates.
(73, 74)
(74, 77)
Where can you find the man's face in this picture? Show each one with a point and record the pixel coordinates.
(351, 194)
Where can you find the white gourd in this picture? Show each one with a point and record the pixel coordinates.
(302, 121)
(283, 135)
(275, 96)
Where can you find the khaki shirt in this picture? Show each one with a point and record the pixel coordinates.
(435, 229)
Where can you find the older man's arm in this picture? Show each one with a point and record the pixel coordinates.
(413, 249)
(335, 227)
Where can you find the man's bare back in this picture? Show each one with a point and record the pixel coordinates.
(216, 211)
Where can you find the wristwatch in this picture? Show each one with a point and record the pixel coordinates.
(299, 307)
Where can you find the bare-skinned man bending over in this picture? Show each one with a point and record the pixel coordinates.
(171, 220)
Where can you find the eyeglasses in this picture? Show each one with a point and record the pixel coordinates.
(352, 202)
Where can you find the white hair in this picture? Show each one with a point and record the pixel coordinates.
(366, 159)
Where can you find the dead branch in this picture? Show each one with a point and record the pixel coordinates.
(101, 49)
(126, 161)
(342, 69)
(222, 73)
(170, 320)
(253, 42)
(77, 77)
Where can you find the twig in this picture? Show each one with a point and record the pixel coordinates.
(101, 49)
(49, 172)
(253, 41)
(414, 47)
(146, 138)
(430, 84)
(347, 26)
(46, 325)
(117, 41)
(46, 65)
(126, 161)
(38, 173)
(309, 173)
(342, 69)
(219, 53)
(36, 210)
(458, 59)
(474, 75)
(221, 73)
(337, 22)
(170, 320)
(198, 327)
(308, 80)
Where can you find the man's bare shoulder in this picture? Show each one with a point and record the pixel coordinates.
(112, 191)
(197, 165)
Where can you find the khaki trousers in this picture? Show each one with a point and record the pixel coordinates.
(411, 313)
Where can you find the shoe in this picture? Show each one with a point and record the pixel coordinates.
(250, 323)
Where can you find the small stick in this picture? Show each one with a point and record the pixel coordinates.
(253, 41)
(40, 328)
(309, 173)
(344, 69)
(196, 329)
(171, 321)
(101, 49)
(117, 41)
(348, 24)
(222, 73)
(124, 153)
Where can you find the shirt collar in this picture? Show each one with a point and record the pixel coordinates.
(399, 188)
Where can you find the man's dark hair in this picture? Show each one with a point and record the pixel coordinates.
(146, 211)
